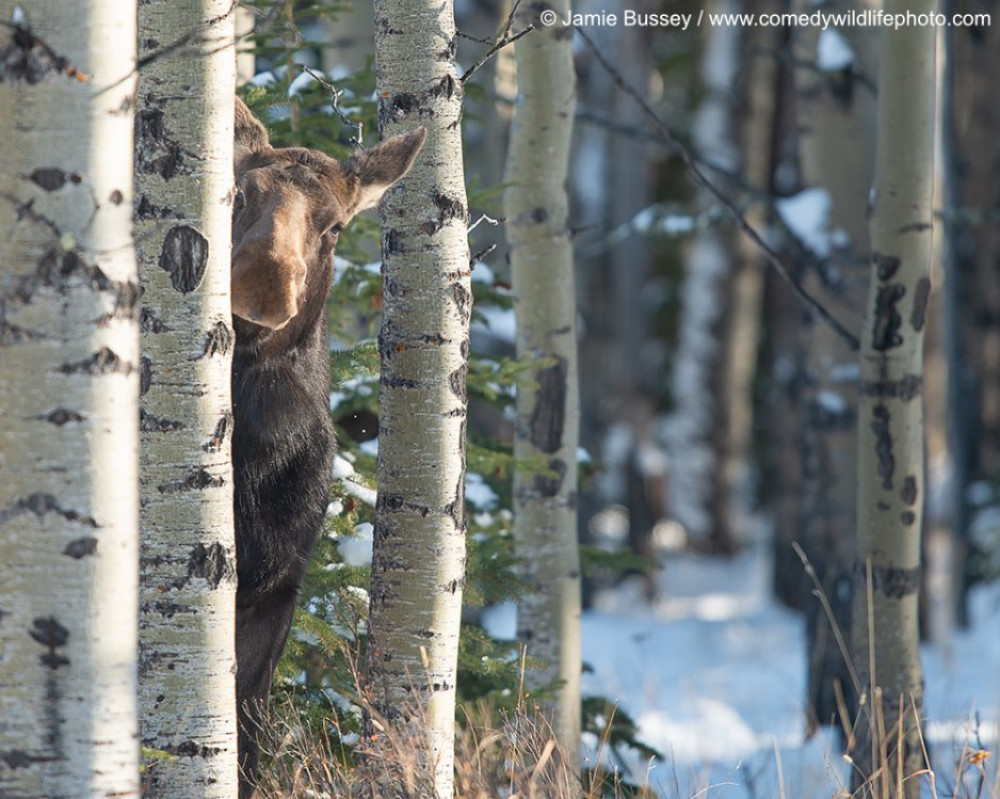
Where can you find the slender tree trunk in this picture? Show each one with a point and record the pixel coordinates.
(741, 329)
(548, 410)
(418, 566)
(973, 289)
(69, 387)
(890, 413)
(836, 113)
(701, 349)
(184, 182)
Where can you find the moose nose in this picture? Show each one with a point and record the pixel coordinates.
(267, 287)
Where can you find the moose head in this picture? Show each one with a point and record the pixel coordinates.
(290, 205)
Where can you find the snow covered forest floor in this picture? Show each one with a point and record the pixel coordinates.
(714, 674)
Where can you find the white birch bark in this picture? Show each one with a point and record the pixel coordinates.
(69, 381)
(548, 405)
(184, 181)
(890, 413)
(418, 567)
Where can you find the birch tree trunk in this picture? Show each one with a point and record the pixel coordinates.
(418, 566)
(69, 385)
(548, 404)
(184, 181)
(890, 414)
(836, 114)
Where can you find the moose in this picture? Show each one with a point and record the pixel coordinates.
(289, 207)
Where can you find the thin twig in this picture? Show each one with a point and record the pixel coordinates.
(838, 634)
(700, 179)
(335, 94)
(501, 42)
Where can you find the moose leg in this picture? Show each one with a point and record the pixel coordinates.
(261, 631)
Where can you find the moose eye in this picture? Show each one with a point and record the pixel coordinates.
(334, 230)
(239, 201)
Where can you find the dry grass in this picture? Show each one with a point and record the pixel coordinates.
(518, 759)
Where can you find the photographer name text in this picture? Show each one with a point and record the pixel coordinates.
(626, 19)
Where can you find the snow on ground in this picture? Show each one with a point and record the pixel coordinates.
(714, 675)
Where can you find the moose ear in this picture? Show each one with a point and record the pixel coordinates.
(384, 164)
(250, 135)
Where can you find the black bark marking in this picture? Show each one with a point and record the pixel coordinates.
(392, 244)
(40, 504)
(548, 485)
(450, 208)
(166, 609)
(149, 322)
(198, 480)
(184, 257)
(127, 297)
(12, 334)
(458, 381)
(60, 416)
(51, 634)
(886, 266)
(888, 321)
(81, 547)
(883, 445)
(907, 388)
(17, 758)
(102, 362)
(58, 269)
(548, 418)
(908, 517)
(915, 227)
(53, 178)
(116, 197)
(402, 104)
(27, 57)
(391, 381)
(156, 152)
(463, 300)
(211, 563)
(918, 317)
(148, 210)
(908, 492)
(220, 434)
(192, 749)
(149, 423)
(446, 87)
(219, 340)
(890, 581)
(145, 375)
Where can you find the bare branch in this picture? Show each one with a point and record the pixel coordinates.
(505, 38)
(335, 95)
(700, 179)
